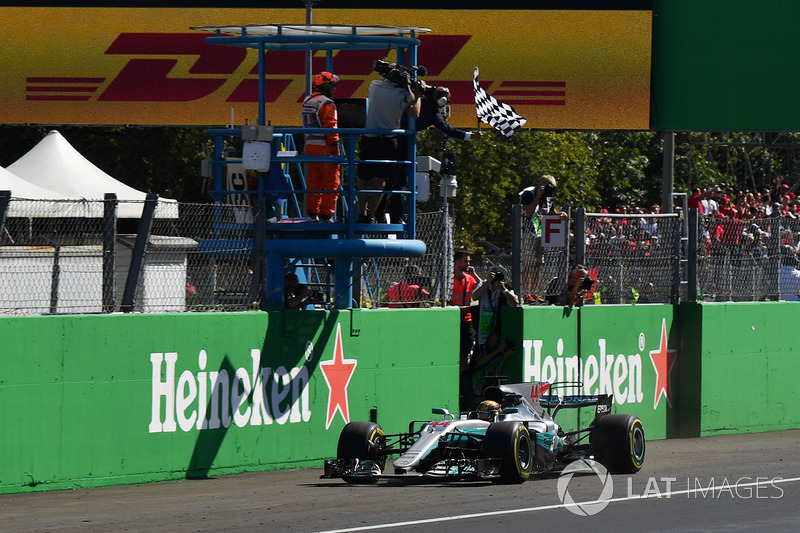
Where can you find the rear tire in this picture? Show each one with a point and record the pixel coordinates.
(362, 441)
(618, 443)
(511, 443)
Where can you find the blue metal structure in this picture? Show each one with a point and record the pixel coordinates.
(346, 241)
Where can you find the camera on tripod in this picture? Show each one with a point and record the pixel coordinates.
(401, 76)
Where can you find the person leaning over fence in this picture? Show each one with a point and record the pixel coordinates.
(319, 111)
(409, 292)
(537, 201)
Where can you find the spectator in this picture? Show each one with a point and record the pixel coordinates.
(387, 104)
(465, 280)
(789, 278)
(319, 111)
(408, 292)
(695, 200)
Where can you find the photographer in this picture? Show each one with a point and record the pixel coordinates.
(578, 286)
(492, 294)
(388, 101)
(537, 201)
(297, 295)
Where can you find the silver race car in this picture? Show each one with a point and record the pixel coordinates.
(512, 435)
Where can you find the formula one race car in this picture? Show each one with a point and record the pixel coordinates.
(511, 436)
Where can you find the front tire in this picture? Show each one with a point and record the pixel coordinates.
(362, 441)
(511, 443)
(618, 443)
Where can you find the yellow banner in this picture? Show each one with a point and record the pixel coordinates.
(558, 69)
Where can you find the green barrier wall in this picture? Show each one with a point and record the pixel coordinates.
(615, 350)
(104, 400)
(692, 370)
(101, 400)
(740, 365)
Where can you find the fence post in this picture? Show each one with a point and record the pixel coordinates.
(259, 253)
(774, 259)
(580, 236)
(109, 252)
(5, 199)
(676, 262)
(516, 248)
(691, 265)
(446, 282)
(55, 278)
(139, 250)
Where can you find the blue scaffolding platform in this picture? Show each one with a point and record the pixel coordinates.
(347, 241)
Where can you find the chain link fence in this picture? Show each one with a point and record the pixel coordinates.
(60, 257)
(633, 258)
(742, 260)
(432, 273)
(197, 258)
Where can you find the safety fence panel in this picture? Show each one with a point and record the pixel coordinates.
(64, 257)
(51, 257)
(200, 261)
(632, 258)
(430, 276)
(741, 260)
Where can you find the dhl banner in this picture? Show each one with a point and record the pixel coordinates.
(580, 69)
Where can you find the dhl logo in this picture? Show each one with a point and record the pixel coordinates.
(154, 78)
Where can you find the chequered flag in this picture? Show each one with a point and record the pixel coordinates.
(500, 116)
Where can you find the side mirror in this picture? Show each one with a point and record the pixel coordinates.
(443, 412)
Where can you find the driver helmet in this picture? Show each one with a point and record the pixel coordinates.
(488, 410)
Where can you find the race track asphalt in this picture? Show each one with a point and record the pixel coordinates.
(724, 483)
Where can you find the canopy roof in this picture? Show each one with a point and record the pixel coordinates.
(313, 36)
(54, 164)
(308, 30)
(29, 200)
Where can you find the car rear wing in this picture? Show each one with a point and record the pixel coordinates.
(550, 399)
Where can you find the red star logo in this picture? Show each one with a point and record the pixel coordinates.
(538, 389)
(337, 373)
(662, 360)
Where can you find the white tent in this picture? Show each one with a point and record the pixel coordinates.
(55, 165)
(29, 200)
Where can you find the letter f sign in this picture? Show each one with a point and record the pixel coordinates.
(553, 231)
